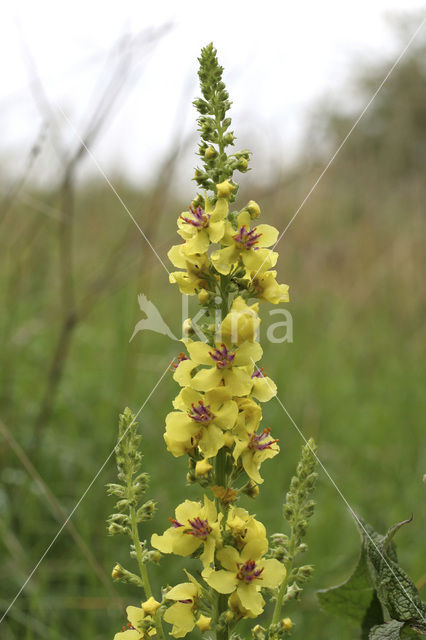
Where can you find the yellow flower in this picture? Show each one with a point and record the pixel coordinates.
(135, 615)
(244, 527)
(195, 525)
(254, 449)
(204, 623)
(196, 266)
(246, 573)
(265, 287)
(199, 421)
(263, 387)
(199, 228)
(231, 368)
(241, 323)
(249, 245)
(181, 614)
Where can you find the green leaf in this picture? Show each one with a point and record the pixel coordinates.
(388, 631)
(378, 587)
(395, 589)
(355, 599)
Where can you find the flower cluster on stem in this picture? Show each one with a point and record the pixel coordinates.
(225, 259)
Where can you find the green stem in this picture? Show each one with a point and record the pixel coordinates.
(283, 588)
(220, 143)
(143, 569)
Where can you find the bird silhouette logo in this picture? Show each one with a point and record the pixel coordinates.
(153, 320)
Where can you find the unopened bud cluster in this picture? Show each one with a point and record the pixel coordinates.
(214, 128)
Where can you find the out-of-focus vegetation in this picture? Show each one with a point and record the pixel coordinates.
(72, 264)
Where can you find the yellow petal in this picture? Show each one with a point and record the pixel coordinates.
(211, 441)
(238, 380)
(220, 211)
(254, 549)
(206, 379)
(129, 634)
(260, 260)
(163, 543)
(135, 615)
(186, 398)
(269, 235)
(199, 352)
(244, 219)
(181, 617)
(216, 231)
(229, 558)
(227, 415)
(182, 591)
(273, 573)
(264, 389)
(250, 598)
(199, 243)
(176, 256)
(182, 375)
(247, 353)
(222, 581)
(224, 259)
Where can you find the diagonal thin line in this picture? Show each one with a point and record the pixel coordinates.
(52, 542)
(109, 183)
(345, 139)
(351, 511)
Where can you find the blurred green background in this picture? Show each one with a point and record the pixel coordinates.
(72, 264)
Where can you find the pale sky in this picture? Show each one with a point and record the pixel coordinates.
(279, 57)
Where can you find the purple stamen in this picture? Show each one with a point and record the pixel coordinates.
(258, 373)
(201, 413)
(175, 523)
(246, 239)
(248, 571)
(180, 358)
(187, 601)
(222, 357)
(200, 528)
(258, 441)
(200, 219)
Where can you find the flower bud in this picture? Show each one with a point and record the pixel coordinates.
(224, 189)
(150, 606)
(210, 153)
(114, 529)
(258, 632)
(117, 572)
(229, 138)
(187, 328)
(146, 511)
(286, 624)
(203, 467)
(253, 209)
(154, 556)
(203, 296)
(251, 489)
(204, 623)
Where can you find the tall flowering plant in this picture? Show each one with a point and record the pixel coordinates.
(225, 259)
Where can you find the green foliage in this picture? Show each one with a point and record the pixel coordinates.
(298, 509)
(214, 128)
(377, 590)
